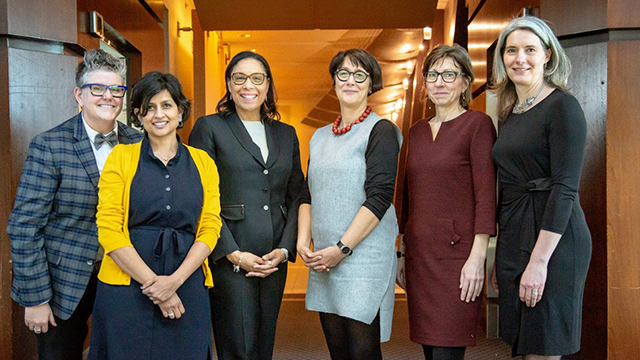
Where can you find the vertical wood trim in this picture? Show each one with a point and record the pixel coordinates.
(623, 200)
(6, 202)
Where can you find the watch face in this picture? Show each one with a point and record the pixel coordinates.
(345, 250)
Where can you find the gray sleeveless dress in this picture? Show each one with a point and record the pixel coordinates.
(363, 283)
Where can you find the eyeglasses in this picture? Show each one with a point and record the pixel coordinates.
(256, 78)
(117, 91)
(359, 76)
(447, 76)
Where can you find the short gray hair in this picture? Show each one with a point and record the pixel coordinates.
(95, 60)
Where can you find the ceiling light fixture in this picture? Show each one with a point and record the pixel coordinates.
(405, 48)
(245, 35)
(405, 84)
(394, 116)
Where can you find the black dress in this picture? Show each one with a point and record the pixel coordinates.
(539, 156)
(166, 202)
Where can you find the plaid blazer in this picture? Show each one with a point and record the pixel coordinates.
(52, 228)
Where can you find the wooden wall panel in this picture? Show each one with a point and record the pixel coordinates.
(588, 82)
(42, 19)
(574, 16)
(623, 14)
(6, 329)
(40, 97)
(623, 200)
(133, 22)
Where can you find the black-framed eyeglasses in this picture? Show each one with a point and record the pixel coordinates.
(256, 78)
(359, 76)
(447, 76)
(117, 91)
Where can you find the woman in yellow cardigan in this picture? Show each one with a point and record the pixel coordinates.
(158, 220)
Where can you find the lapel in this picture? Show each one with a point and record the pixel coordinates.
(244, 138)
(124, 134)
(84, 151)
(272, 143)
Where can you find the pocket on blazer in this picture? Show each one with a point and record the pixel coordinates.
(447, 241)
(283, 208)
(232, 212)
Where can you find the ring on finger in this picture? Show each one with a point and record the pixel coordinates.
(171, 314)
(37, 330)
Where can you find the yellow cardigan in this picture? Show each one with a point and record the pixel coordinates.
(113, 207)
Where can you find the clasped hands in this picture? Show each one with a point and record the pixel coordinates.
(321, 260)
(257, 266)
(162, 291)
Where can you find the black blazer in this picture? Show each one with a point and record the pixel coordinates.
(259, 201)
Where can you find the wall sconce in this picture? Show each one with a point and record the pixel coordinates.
(398, 106)
(394, 116)
(186, 28)
(405, 84)
(226, 49)
(96, 24)
(426, 33)
(409, 66)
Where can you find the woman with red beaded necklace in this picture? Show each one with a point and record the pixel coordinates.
(347, 214)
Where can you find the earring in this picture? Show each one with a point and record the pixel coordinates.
(370, 91)
(464, 97)
(180, 122)
(429, 103)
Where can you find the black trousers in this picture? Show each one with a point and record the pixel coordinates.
(66, 341)
(244, 312)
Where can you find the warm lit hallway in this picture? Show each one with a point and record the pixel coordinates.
(41, 43)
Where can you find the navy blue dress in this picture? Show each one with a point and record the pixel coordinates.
(165, 204)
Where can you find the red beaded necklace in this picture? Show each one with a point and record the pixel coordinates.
(345, 129)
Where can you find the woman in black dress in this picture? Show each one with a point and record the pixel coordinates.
(544, 245)
(158, 220)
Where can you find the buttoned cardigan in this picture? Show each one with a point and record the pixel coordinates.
(113, 207)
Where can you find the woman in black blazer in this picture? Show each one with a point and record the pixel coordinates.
(258, 160)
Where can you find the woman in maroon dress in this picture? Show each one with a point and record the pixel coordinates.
(448, 211)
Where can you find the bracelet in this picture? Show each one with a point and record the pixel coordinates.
(286, 255)
(399, 254)
(236, 268)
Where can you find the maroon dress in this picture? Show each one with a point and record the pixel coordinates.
(449, 196)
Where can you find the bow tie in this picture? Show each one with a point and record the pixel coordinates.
(111, 138)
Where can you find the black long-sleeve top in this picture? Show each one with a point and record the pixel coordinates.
(381, 158)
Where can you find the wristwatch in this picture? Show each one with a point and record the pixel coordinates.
(344, 248)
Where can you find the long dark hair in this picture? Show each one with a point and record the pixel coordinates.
(268, 111)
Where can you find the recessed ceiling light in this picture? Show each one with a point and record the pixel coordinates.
(245, 35)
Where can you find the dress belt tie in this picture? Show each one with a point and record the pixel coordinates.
(170, 238)
(541, 184)
(528, 198)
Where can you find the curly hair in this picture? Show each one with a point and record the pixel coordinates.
(95, 60)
